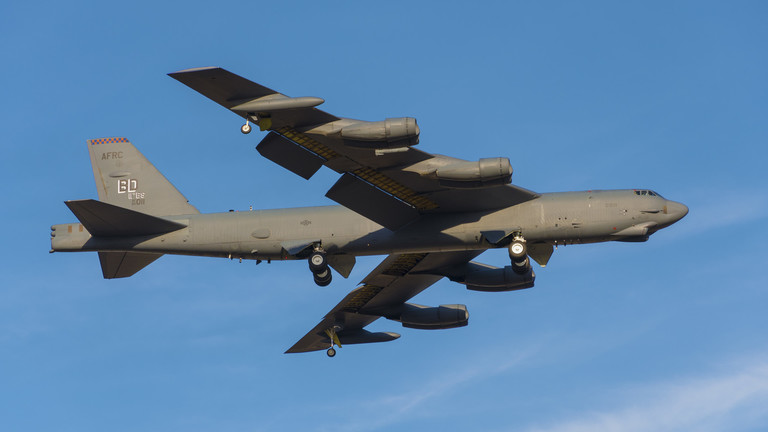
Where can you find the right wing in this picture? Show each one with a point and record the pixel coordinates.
(384, 178)
(384, 293)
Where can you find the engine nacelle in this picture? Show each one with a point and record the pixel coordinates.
(499, 279)
(401, 131)
(432, 318)
(485, 172)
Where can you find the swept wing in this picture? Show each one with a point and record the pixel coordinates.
(384, 178)
(383, 293)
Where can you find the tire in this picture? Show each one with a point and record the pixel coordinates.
(246, 129)
(323, 278)
(318, 262)
(517, 250)
(331, 352)
(522, 266)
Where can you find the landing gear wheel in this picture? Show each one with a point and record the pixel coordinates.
(323, 278)
(246, 128)
(522, 266)
(517, 249)
(318, 262)
(331, 352)
(518, 254)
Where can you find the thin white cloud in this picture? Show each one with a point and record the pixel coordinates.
(732, 401)
(409, 403)
(721, 209)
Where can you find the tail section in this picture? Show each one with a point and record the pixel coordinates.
(125, 178)
(124, 264)
(107, 220)
(133, 195)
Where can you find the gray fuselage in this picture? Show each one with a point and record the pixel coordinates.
(552, 218)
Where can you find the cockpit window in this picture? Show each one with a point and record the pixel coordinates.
(646, 192)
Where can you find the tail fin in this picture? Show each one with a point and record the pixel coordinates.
(125, 178)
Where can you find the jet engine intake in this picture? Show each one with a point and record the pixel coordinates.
(483, 173)
(401, 131)
(499, 279)
(433, 318)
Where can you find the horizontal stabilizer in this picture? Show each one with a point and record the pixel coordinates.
(124, 264)
(107, 220)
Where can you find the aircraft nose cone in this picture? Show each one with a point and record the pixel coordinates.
(676, 210)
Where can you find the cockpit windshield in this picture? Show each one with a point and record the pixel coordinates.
(646, 192)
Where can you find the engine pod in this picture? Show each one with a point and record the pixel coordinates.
(499, 279)
(483, 173)
(432, 318)
(392, 132)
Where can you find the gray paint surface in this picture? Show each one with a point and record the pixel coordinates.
(430, 214)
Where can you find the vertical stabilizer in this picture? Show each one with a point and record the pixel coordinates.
(125, 178)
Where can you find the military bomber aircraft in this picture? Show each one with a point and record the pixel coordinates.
(430, 214)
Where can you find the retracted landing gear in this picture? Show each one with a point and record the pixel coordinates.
(318, 265)
(518, 254)
(331, 332)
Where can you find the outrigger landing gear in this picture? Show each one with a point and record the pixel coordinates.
(331, 332)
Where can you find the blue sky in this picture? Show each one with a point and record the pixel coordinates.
(668, 335)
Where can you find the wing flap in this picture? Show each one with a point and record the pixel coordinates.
(367, 200)
(289, 155)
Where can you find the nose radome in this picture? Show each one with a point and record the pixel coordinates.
(676, 210)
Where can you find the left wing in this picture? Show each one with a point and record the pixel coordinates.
(384, 293)
(384, 178)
